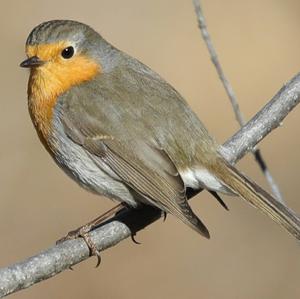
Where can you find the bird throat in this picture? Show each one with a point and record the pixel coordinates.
(41, 103)
(47, 83)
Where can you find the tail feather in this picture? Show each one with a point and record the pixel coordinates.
(187, 216)
(257, 197)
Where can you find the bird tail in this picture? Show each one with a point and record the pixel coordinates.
(184, 212)
(256, 196)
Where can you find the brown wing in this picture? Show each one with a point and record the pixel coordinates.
(158, 182)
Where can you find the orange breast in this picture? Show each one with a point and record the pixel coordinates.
(51, 80)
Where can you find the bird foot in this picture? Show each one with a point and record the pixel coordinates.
(134, 240)
(83, 232)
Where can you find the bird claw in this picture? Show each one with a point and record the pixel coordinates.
(134, 240)
(83, 232)
(96, 253)
(92, 247)
(72, 235)
(164, 216)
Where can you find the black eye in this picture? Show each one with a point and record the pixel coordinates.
(67, 52)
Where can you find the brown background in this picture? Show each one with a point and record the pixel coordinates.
(248, 256)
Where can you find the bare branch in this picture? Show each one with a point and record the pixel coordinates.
(266, 120)
(215, 60)
(60, 257)
(232, 97)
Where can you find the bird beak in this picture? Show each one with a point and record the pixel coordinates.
(33, 61)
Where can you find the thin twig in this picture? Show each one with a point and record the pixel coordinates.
(60, 257)
(232, 97)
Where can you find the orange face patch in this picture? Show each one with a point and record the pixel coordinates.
(56, 76)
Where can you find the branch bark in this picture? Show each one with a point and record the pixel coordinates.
(232, 97)
(69, 253)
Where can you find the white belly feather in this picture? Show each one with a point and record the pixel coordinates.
(202, 178)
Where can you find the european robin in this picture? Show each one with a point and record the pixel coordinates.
(120, 130)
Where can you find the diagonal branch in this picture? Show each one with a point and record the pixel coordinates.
(60, 257)
(231, 95)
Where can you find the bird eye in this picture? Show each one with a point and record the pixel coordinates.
(67, 52)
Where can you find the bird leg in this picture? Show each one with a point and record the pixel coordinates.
(83, 231)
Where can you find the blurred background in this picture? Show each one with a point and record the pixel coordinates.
(248, 255)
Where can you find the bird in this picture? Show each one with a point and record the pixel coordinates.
(118, 129)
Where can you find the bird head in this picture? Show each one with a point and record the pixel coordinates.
(63, 53)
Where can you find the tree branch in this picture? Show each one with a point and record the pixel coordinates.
(60, 257)
(232, 97)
